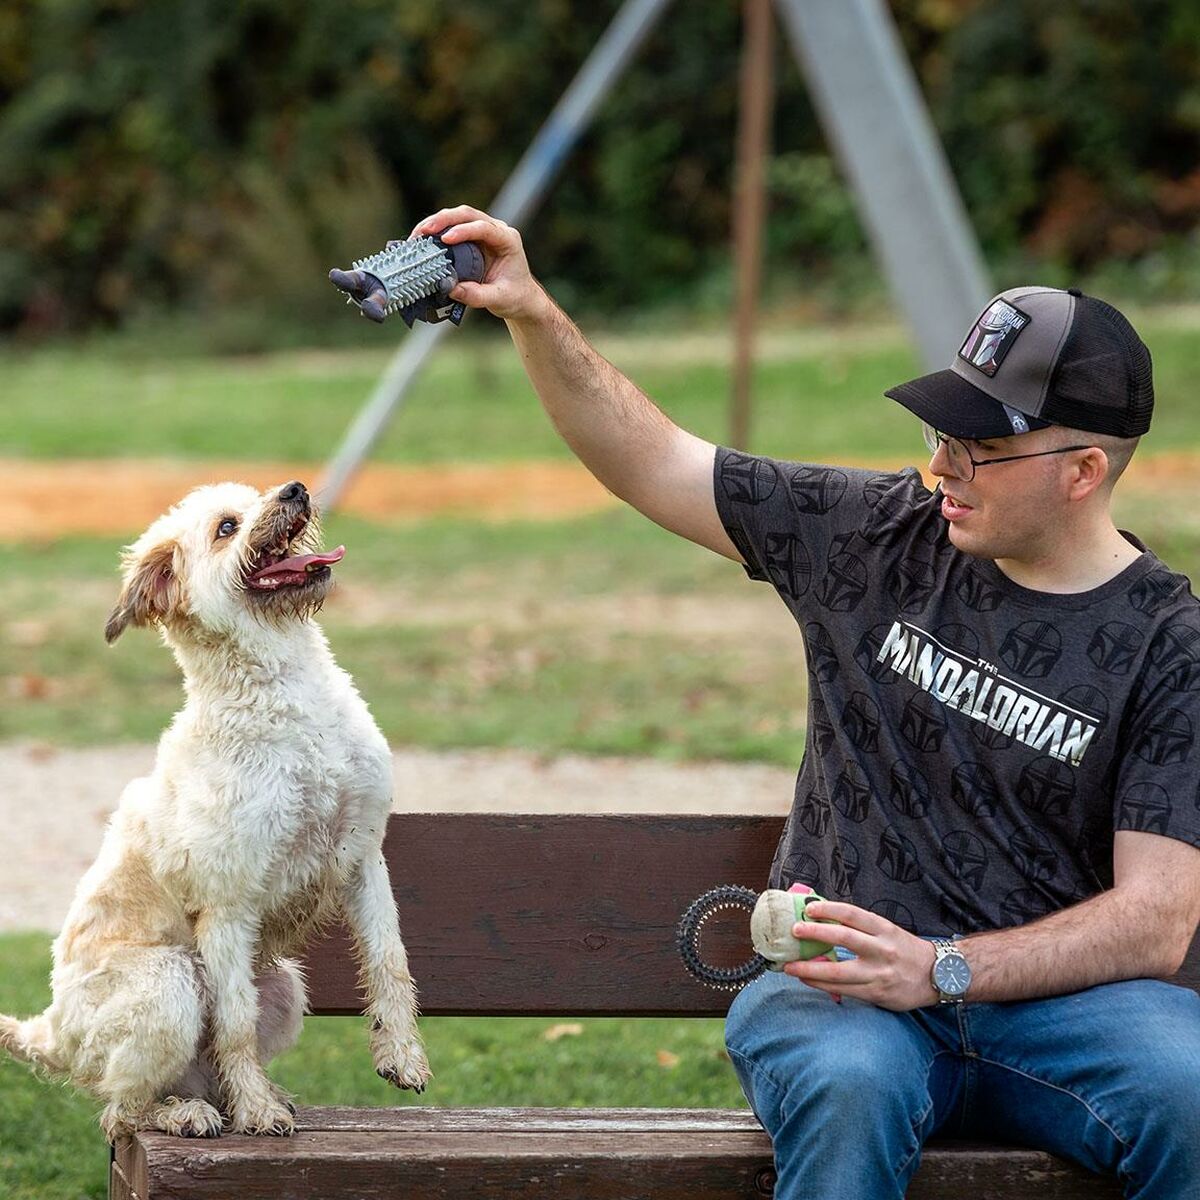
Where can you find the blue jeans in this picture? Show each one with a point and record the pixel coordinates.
(1108, 1077)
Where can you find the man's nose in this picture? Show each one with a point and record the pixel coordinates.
(939, 462)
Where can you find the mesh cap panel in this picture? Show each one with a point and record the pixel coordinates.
(1103, 381)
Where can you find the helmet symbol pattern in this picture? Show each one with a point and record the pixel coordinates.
(822, 656)
(1152, 593)
(1114, 647)
(965, 858)
(1032, 648)
(1046, 786)
(923, 723)
(974, 789)
(844, 584)
(788, 564)
(748, 480)
(1175, 650)
(1034, 854)
(911, 584)
(1145, 807)
(814, 814)
(977, 593)
(817, 489)
(860, 720)
(844, 865)
(821, 735)
(898, 858)
(802, 868)
(910, 794)
(852, 794)
(1167, 738)
(866, 654)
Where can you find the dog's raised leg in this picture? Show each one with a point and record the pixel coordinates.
(226, 942)
(391, 999)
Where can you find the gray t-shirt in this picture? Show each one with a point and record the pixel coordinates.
(972, 745)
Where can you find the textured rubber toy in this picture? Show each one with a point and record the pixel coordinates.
(413, 278)
(691, 925)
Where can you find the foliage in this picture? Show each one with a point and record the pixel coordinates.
(209, 153)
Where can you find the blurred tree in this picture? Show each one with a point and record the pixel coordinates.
(194, 152)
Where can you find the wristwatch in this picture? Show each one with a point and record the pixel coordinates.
(951, 974)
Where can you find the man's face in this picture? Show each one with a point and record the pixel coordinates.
(1010, 509)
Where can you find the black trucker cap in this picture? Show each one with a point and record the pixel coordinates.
(1035, 357)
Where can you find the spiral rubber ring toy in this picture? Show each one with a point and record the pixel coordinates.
(690, 927)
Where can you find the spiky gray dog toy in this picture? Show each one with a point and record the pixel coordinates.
(413, 278)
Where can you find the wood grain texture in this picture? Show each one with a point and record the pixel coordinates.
(614, 1154)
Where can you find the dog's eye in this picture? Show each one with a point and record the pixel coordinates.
(227, 528)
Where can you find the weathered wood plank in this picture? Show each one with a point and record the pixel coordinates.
(572, 1155)
(556, 915)
(562, 915)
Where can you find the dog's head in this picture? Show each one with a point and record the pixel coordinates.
(225, 558)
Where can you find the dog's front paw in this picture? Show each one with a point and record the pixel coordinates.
(407, 1067)
(187, 1118)
(270, 1119)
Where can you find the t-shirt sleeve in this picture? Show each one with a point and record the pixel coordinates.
(804, 527)
(1158, 778)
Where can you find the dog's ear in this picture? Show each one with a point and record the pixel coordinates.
(151, 591)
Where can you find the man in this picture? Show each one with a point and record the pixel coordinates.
(1004, 700)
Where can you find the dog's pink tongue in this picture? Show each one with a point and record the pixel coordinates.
(301, 563)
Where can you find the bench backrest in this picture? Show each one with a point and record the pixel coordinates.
(562, 915)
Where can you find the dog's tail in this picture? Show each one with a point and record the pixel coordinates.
(29, 1041)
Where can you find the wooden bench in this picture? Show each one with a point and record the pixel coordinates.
(550, 916)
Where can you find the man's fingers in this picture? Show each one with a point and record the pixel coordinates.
(850, 915)
(446, 217)
(471, 294)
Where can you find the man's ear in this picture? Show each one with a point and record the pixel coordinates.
(151, 591)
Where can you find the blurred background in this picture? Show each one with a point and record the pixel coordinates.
(177, 178)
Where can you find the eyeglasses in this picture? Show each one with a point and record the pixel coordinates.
(961, 462)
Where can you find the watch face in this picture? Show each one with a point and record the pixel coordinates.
(951, 974)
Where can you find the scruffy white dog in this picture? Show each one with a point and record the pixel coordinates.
(264, 815)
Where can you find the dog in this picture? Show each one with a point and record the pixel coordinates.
(264, 817)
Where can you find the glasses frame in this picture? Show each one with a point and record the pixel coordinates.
(935, 438)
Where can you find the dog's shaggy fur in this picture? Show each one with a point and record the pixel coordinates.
(264, 814)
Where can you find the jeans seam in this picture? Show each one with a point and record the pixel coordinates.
(919, 1123)
(1065, 1091)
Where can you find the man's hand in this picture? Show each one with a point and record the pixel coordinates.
(508, 289)
(893, 968)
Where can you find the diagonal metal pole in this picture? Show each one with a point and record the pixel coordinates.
(875, 117)
(519, 197)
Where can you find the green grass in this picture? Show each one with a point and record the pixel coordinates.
(458, 634)
(51, 1147)
(818, 395)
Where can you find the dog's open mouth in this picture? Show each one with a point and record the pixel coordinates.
(276, 567)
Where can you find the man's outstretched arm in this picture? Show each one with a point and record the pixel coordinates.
(618, 433)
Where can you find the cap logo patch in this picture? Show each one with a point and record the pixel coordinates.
(992, 337)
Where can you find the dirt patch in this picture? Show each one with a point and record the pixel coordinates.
(116, 497)
(40, 501)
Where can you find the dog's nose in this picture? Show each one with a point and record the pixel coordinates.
(293, 491)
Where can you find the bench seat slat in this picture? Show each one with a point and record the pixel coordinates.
(607, 1154)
